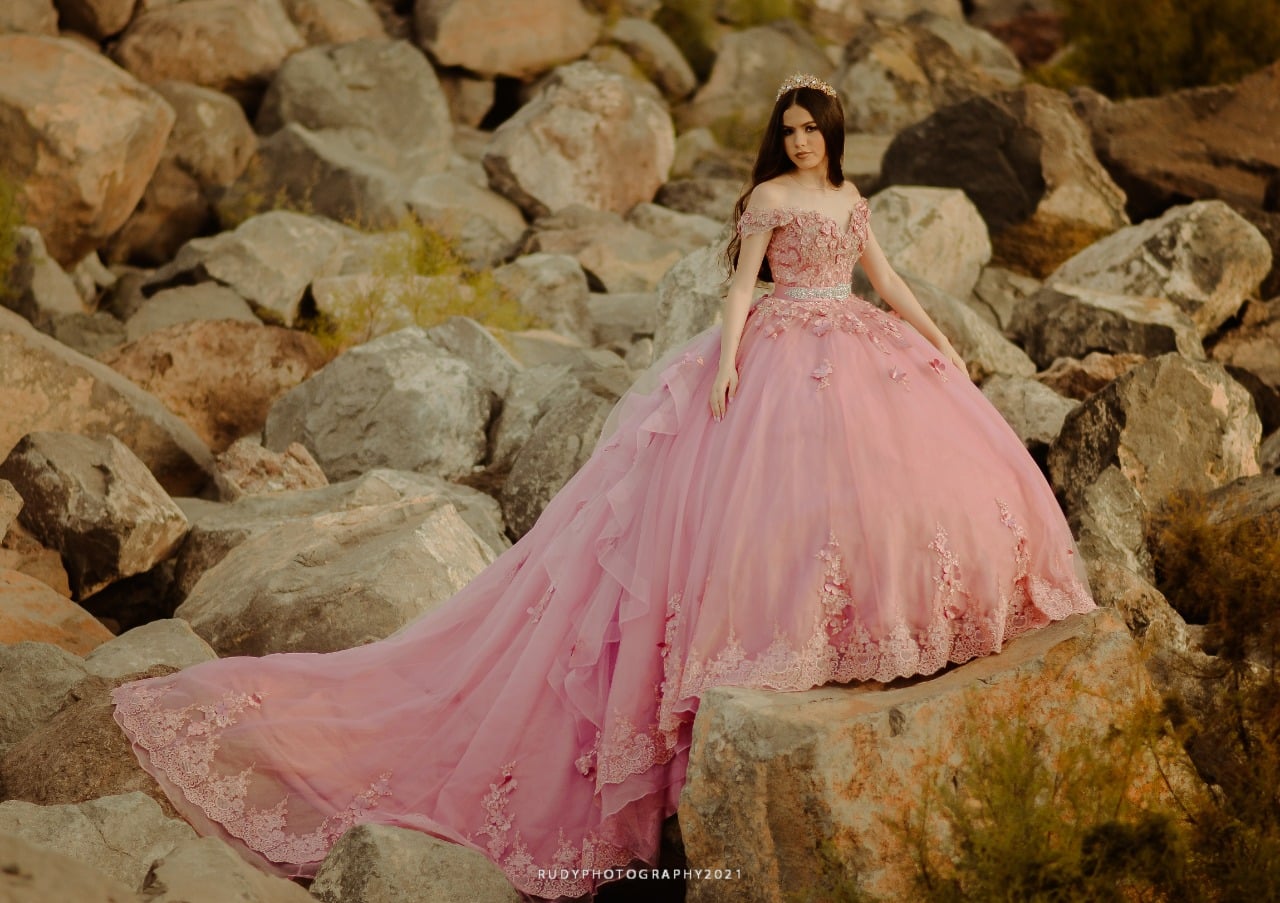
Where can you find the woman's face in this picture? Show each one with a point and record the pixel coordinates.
(802, 139)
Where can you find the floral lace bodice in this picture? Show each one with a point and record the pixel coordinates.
(809, 248)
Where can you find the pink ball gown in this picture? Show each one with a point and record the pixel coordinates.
(861, 513)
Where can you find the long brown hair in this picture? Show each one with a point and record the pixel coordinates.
(772, 160)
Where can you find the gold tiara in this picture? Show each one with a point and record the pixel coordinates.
(803, 80)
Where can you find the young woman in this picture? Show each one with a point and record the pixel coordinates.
(847, 506)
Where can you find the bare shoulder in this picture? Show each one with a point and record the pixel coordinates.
(850, 191)
(768, 194)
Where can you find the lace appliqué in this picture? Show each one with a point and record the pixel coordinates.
(1030, 592)
(568, 874)
(898, 375)
(939, 367)
(822, 373)
(536, 610)
(774, 315)
(183, 743)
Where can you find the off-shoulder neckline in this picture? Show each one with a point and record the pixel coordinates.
(789, 208)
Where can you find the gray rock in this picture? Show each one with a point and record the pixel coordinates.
(216, 529)
(90, 334)
(1168, 424)
(599, 370)
(657, 56)
(533, 392)
(398, 401)
(1035, 411)
(560, 443)
(686, 230)
(30, 16)
(1062, 320)
(269, 260)
(334, 21)
(998, 294)
(1079, 379)
(119, 836)
(381, 864)
(96, 503)
(587, 137)
(552, 288)
(335, 581)
(709, 196)
(936, 233)
(378, 100)
(895, 73)
(749, 66)
(484, 227)
(169, 641)
(467, 340)
(490, 37)
(203, 301)
(234, 46)
(1249, 354)
(44, 387)
(10, 505)
(34, 679)
(206, 870)
(39, 289)
(1269, 454)
(1204, 257)
(690, 297)
(622, 317)
(33, 874)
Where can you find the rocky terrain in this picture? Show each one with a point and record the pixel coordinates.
(311, 306)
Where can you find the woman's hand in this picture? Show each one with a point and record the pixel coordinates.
(949, 351)
(723, 390)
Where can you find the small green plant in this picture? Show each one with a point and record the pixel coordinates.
(1147, 47)
(417, 279)
(10, 221)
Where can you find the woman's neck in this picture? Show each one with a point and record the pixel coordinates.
(816, 182)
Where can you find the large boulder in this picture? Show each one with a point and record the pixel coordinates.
(206, 870)
(80, 753)
(1023, 157)
(1167, 425)
(551, 288)
(1249, 354)
(378, 100)
(183, 304)
(169, 641)
(1063, 320)
(335, 581)
(1079, 379)
(656, 55)
(216, 529)
(895, 74)
(34, 679)
(269, 260)
(847, 763)
(234, 46)
(1204, 257)
(587, 137)
(483, 226)
(96, 19)
(334, 21)
(1035, 411)
(96, 503)
(33, 874)
(37, 287)
(749, 66)
(30, 16)
(78, 136)
(31, 611)
(466, 339)
(47, 386)
(690, 297)
(210, 146)
(935, 233)
(118, 835)
(493, 37)
(220, 376)
(399, 401)
(10, 505)
(1198, 143)
(247, 468)
(621, 257)
(999, 293)
(557, 447)
(381, 864)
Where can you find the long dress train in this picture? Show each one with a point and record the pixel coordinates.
(861, 513)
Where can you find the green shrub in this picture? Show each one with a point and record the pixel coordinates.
(418, 279)
(10, 220)
(1147, 47)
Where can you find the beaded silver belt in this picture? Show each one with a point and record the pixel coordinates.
(808, 292)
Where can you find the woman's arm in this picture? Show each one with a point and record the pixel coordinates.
(737, 304)
(889, 286)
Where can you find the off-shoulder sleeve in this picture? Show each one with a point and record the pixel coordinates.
(765, 220)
